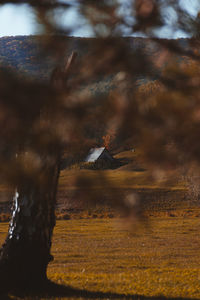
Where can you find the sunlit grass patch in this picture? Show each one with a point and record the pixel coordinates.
(103, 255)
(179, 283)
(158, 259)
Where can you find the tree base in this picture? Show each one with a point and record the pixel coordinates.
(20, 284)
(19, 272)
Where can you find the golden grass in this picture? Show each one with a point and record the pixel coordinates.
(115, 179)
(126, 177)
(102, 255)
(160, 258)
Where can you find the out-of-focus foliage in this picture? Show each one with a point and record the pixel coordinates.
(23, 55)
(163, 121)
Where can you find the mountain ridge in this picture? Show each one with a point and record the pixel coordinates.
(20, 53)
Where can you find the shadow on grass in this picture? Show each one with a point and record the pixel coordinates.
(52, 289)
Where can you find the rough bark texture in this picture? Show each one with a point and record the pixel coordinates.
(25, 255)
(26, 252)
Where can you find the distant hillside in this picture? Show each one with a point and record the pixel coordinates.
(20, 53)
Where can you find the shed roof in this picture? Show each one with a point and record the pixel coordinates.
(94, 154)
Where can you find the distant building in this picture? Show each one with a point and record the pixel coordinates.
(97, 154)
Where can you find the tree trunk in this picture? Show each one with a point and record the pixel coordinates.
(25, 255)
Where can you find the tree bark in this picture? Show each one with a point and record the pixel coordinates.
(25, 255)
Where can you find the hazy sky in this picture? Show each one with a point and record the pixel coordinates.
(19, 20)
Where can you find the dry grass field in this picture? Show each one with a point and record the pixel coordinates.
(96, 250)
(131, 175)
(76, 185)
(159, 258)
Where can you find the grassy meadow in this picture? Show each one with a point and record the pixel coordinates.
(130, 175)
(99, 251)
(159, 258)
(79, 186)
